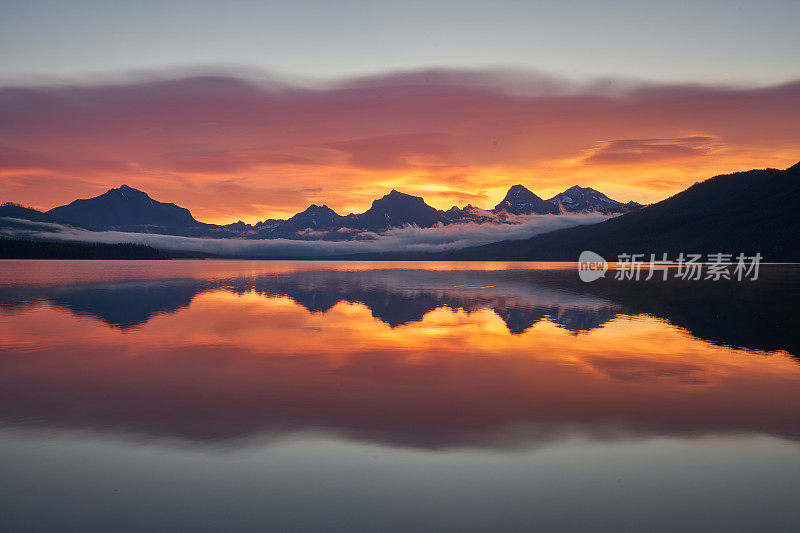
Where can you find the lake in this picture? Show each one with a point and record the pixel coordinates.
(383, 396)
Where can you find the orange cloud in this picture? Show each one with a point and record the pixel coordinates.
(231, 148)
(639, 150)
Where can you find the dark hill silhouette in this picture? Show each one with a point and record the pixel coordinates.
(397, 209)
(129, 209)
(12, 210)
(124, 207)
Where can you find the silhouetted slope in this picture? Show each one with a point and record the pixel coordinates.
(12, 210)
(124, 207)
(743, 212)
(396, 209)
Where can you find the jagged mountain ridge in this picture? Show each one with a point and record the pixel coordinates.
(579, 199)
(127, 209)
(521, 201)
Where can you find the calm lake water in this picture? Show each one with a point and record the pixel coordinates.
(324, 396)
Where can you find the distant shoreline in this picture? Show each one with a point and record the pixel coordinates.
(25, 249)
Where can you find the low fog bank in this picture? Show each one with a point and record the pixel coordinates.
(406, 239)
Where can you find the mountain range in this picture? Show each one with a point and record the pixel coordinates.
(131, 210)
(755, 211)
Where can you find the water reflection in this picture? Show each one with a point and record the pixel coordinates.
(759, 315)
(395, 297)
(412, 357)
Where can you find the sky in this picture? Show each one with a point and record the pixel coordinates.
(252, 110)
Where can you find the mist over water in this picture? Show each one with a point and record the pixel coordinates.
(400, 239)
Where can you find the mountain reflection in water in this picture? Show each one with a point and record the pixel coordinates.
(395, 297)
(399, 354)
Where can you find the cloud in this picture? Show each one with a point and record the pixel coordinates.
(459, 132)
(638, 150)
(405, 239)
(395, 151)
(36, 224)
